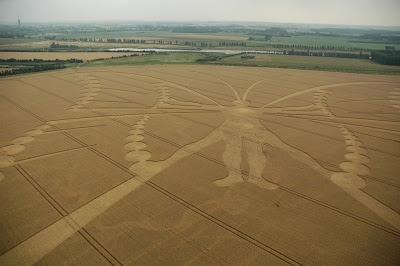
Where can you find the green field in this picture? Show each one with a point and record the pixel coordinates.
(275, 61)
(313, 62)
(150, 59)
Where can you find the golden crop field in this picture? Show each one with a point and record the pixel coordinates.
(60, 55)
(182, 164)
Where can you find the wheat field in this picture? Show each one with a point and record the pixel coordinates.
(201, 165)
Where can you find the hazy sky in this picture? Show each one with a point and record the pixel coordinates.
(356, 12)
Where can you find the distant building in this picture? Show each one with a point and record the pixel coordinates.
(19, 22)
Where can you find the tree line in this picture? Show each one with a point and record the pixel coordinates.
(232, 44)
(328, 54)
(54, 45)
(265, 38)
(209, 57)
(37, 68)
(247, 57)
(113, 40)
(389, 56)
(317, 47)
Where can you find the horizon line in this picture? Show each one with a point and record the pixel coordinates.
(191, 21)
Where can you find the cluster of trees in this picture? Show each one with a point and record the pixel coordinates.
(328, 54)
(54, 45)
(213, 57)
(165, 42)
(37, 68)
(190, 43)
(389, 56)
(115, 57)
(247, 57)
(205, 44)
(34, 65)
(111, 40)
(209, 58)
(265, 38)
(70, 39)
(232, 44)
(133, 41)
